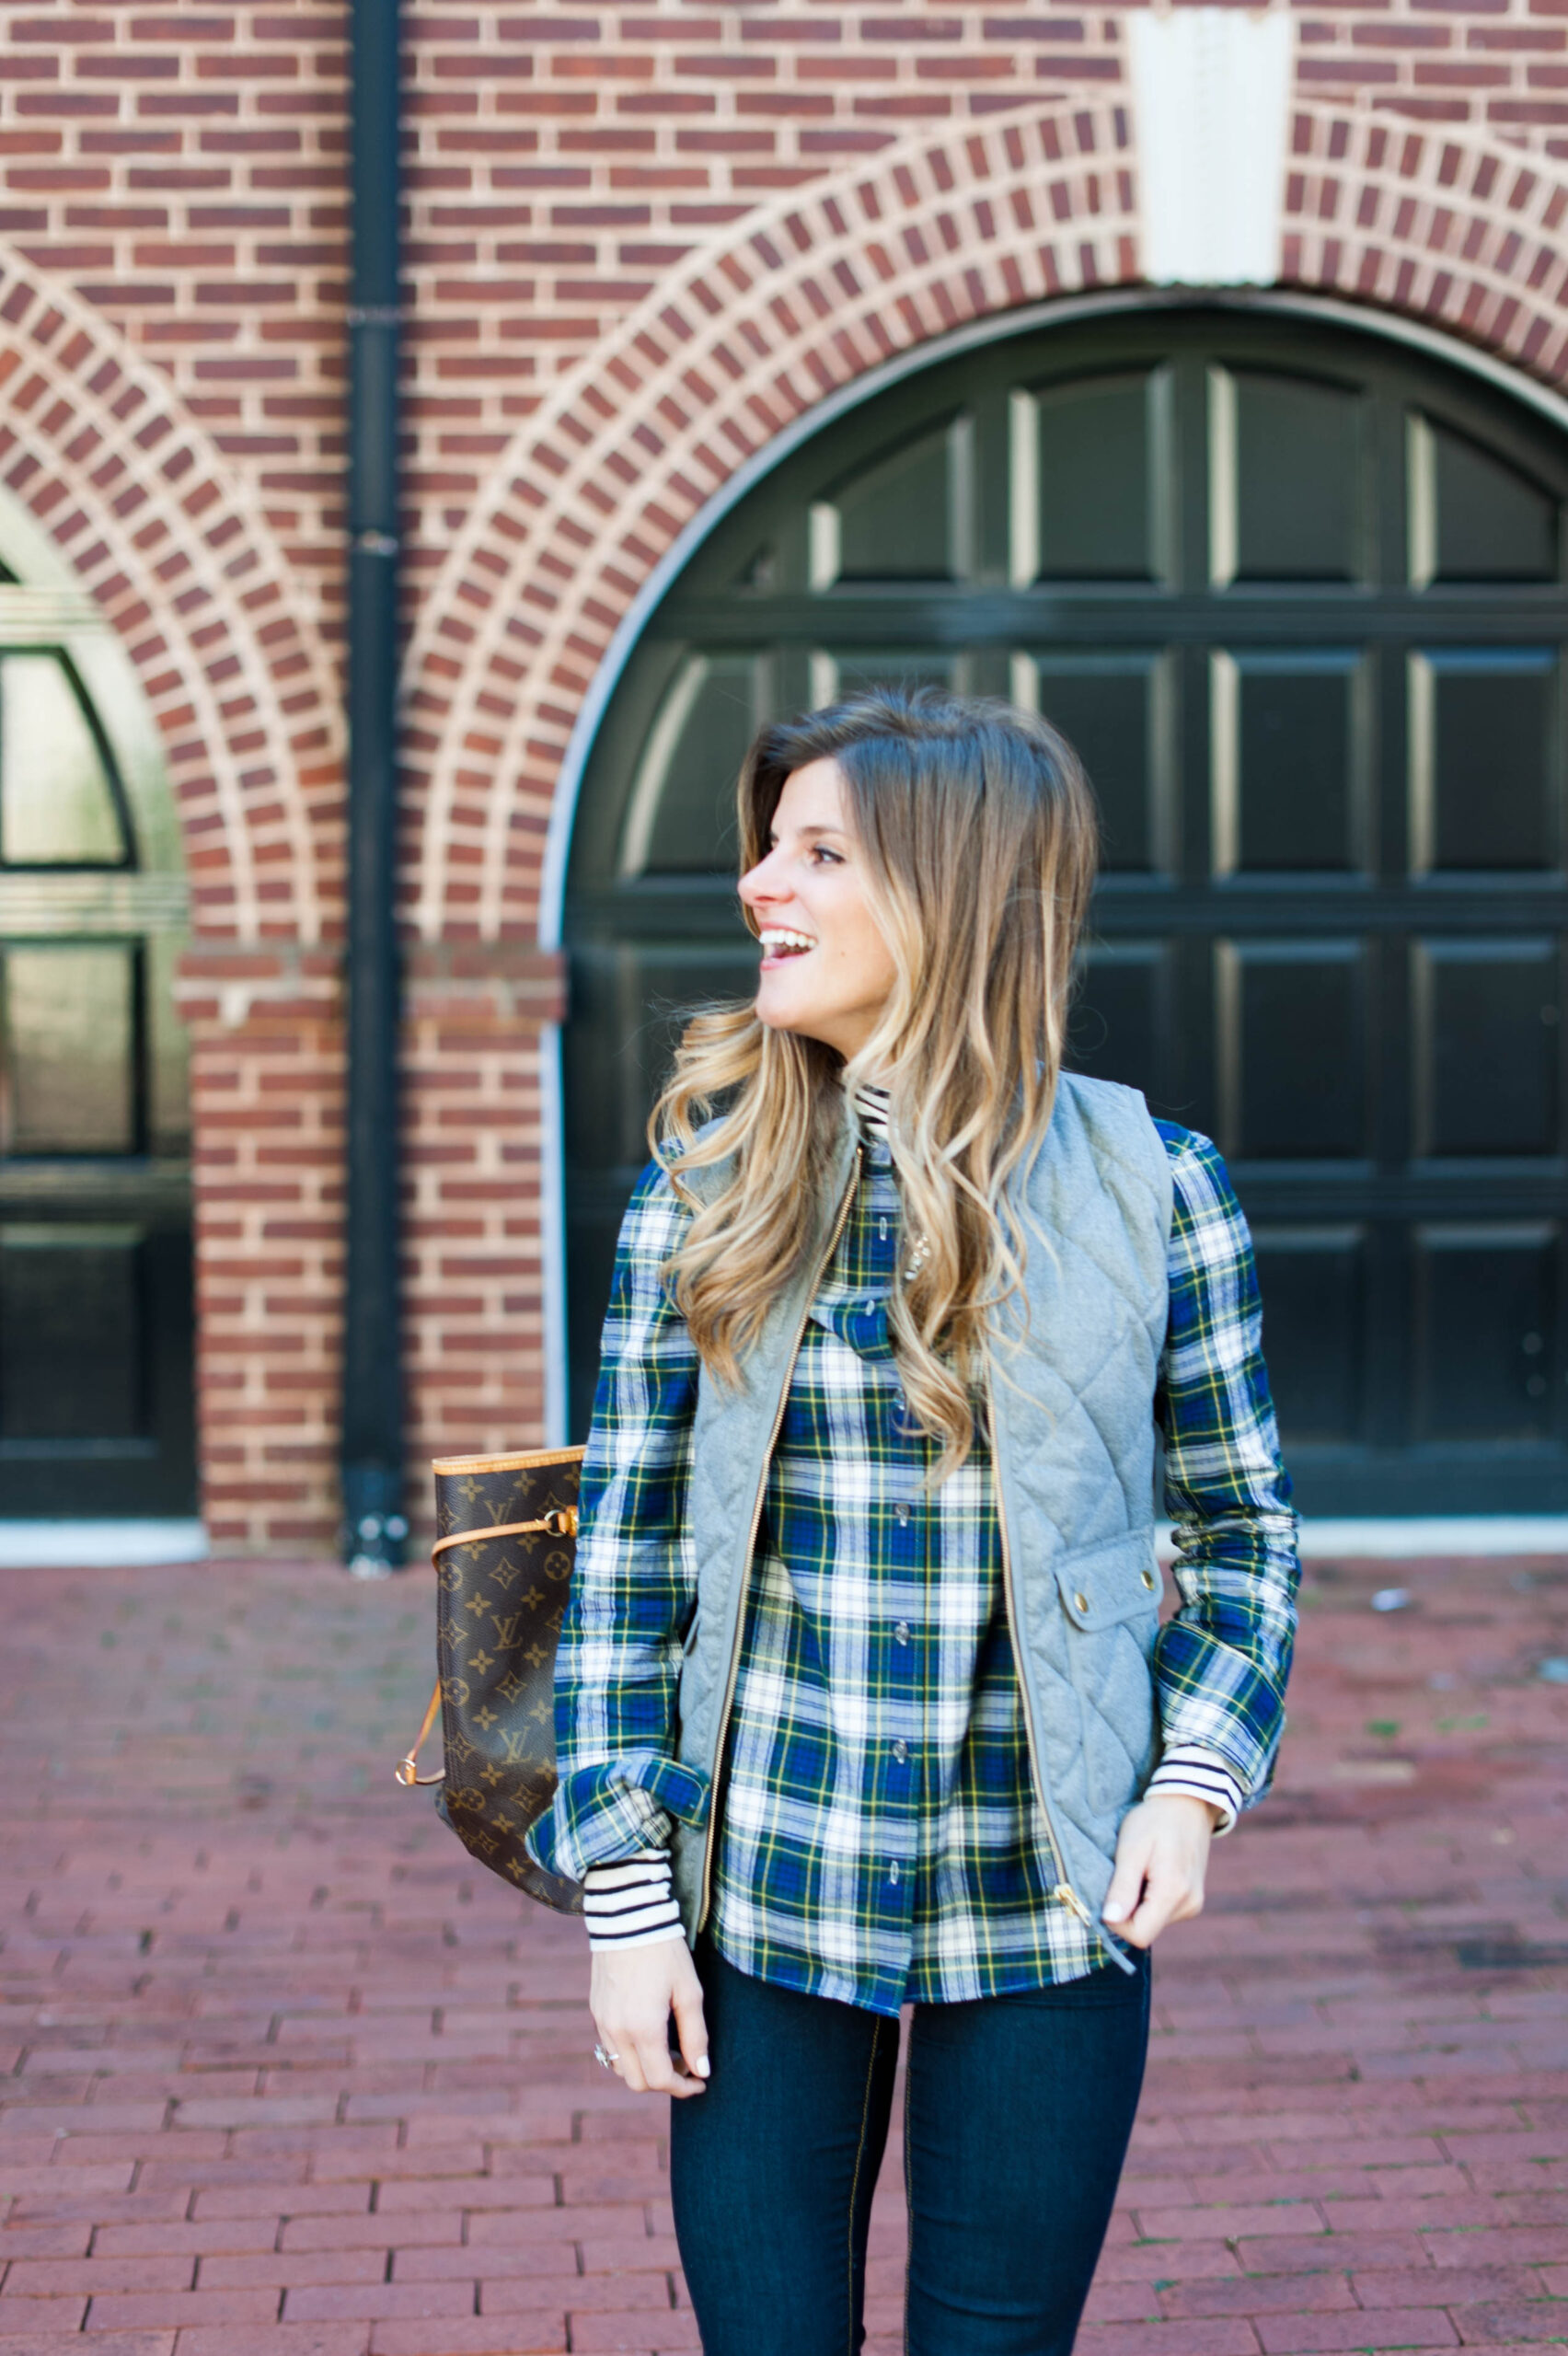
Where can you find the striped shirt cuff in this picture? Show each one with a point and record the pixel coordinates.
(1195, 1773)
(631, 1903)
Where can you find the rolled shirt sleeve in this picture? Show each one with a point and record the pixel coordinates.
(634, 1585)
(1221, 1663)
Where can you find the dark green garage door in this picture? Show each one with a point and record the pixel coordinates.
(96, 1407)
(1298, 596)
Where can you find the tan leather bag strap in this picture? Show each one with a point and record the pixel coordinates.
(407, 1770)
(559, 1522)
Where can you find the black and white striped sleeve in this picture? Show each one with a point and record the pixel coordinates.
(1197, 1774)
(631, 1903)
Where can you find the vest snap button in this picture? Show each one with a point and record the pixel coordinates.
(1081, 1601)
(1148, 1581)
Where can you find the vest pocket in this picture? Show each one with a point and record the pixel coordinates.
(1118, 1581)
(1110, 1602)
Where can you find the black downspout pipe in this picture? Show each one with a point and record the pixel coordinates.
(373, 1523)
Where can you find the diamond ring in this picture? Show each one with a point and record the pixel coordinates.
(605, 2061)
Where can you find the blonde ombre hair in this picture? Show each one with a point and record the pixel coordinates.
(977, 830)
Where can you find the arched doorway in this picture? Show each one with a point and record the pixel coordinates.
(1297, 594)
(95, 1412)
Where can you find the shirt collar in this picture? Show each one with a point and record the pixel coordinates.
(869, 1106)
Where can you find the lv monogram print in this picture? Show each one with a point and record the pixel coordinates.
(499, 1605)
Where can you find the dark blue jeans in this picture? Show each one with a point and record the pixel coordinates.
(1018, 2111)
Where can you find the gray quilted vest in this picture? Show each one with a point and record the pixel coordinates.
(1073, 1448)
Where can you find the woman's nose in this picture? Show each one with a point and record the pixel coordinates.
(757, 884)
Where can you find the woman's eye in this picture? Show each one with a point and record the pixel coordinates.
(820, 851)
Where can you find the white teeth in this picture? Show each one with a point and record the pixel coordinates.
(775, 938)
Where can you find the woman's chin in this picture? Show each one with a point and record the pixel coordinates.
(775, 1009)
(776, 1005)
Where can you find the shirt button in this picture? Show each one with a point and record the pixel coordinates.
(901, 1750)
(901, 1634)
(901, 1513)
(892, 1872)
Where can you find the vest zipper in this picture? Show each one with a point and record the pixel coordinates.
(838, 1226)
(1063, 1893)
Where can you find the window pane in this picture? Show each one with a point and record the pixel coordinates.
(1487, 1047)
(1090, 462)
(1491, 524)
(681, 818)
(1486, 1342)
(57, 807)
(70, 1332)
(901, 518)
(70, 1039)
(1289, 756)
(1484, 760)
(1117, 714)
(1292, 1049)
(1299, 505)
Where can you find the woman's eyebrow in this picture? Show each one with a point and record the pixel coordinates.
(806, 834)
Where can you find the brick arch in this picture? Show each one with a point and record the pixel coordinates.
(1457, 229)
(809, 293)
(97, 445)
(1454, 227)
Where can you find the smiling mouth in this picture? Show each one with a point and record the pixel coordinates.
(778, 943)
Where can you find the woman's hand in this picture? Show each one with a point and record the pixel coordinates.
(631, 1996)
(1161, 1857)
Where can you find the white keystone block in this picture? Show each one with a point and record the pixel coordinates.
(1211, 95)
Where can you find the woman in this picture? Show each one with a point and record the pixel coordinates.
(861, 1696)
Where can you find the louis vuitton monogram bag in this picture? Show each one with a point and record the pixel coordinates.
(506, 1536)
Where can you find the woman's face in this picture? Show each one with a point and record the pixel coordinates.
(827, 971)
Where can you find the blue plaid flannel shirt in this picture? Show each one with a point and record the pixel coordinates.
(879, 1840)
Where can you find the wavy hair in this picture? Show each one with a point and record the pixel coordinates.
(978, 829)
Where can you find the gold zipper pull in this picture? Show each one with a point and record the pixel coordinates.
(1068, 1896)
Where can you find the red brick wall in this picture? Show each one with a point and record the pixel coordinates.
(172, 269)
(266, 1076)
(473, 1242)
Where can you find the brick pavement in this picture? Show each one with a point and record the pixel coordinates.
(285, 2075)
